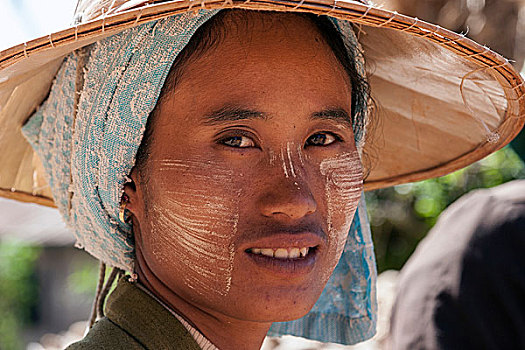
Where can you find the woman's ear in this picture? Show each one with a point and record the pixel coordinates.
(131, 196)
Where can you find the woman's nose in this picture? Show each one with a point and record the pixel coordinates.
(287, 200)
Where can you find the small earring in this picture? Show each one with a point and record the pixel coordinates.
(133, 278)
(122, 209)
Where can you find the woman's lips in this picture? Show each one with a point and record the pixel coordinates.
(285, 254)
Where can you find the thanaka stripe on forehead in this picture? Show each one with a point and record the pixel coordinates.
(230, 114)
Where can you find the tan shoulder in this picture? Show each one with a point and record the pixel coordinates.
(106, 335)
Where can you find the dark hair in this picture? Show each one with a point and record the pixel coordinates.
(212, 32)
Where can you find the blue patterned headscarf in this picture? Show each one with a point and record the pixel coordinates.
(88, 147)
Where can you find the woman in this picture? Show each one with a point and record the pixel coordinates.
(216, 156)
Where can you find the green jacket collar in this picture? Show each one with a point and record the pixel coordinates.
(145, 319)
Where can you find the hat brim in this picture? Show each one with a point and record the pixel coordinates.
(443, 101)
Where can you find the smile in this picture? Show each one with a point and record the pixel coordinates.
(281, 253)
(285, 255)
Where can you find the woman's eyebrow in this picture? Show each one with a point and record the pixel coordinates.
(338, 115)
(229, 114)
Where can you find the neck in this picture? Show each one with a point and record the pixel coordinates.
(223, 331)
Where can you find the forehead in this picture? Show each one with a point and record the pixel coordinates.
(268, 62)
(257, 41)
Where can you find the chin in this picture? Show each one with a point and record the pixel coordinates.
(273, 306)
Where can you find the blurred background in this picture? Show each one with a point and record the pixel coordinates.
(47, 286)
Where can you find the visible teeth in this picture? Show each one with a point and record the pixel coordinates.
(304, 251)
(281, 253)
(267, 252)
(294, 253)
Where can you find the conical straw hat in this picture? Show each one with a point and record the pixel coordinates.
(443, 100)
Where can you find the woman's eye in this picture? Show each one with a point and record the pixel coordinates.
(321, 139)
(238, 141)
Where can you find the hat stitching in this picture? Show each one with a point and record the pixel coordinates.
(392, 16)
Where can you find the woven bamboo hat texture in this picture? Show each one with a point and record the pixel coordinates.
(443, 100)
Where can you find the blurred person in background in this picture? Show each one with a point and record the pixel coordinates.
(464, 287)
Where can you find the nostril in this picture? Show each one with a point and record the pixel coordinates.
(294, 210)
(291, 204)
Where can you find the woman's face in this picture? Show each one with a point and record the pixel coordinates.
(253, 177)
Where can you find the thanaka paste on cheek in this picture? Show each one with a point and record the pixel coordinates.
(289, 153)
(283, 162)
(300, 153)
(272, 157)
(343, 186)
(194, 223)
(286, 156)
